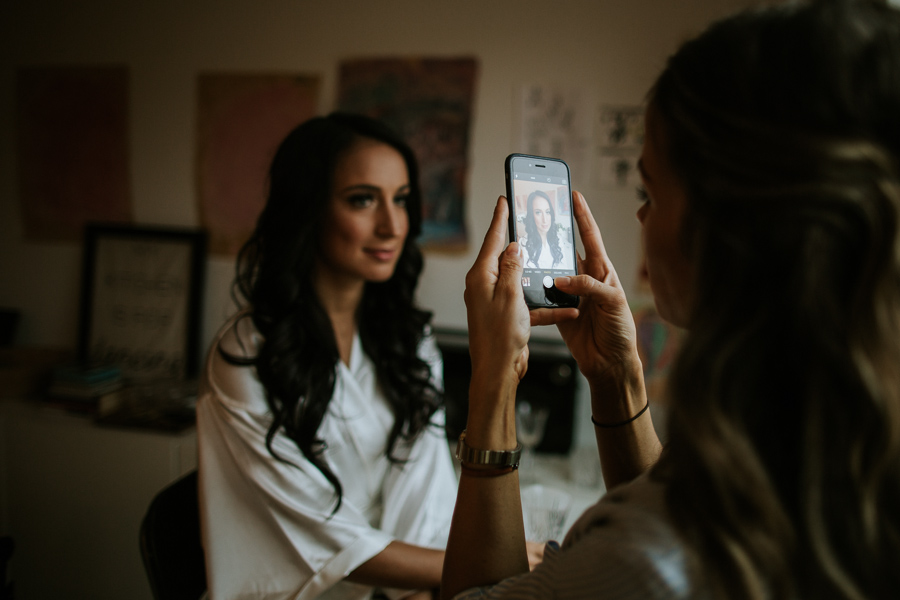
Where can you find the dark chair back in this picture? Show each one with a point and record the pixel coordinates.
(6, 551)
(170, 542)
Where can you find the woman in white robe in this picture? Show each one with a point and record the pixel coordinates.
(324, 466)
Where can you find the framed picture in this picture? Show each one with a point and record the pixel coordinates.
(141, 298)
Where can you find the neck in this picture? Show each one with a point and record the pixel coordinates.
(340, 297)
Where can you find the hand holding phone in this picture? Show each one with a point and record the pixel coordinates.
(540, 220)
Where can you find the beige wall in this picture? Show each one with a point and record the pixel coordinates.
(611, 48)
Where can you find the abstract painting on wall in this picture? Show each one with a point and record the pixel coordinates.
(428, 102)
(241, 120)
(72, 149)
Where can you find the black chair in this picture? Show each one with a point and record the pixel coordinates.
(6, 551)
(170, 542)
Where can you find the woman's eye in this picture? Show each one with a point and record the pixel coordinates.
(361, 200)
(401, 200)
(641, 193)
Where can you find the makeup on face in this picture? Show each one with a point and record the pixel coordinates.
(366, 223)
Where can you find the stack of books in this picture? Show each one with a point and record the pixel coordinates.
(84, 388)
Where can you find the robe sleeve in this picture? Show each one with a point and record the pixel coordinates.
(284, 512)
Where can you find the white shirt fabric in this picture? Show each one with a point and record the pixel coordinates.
(625, 547)
(545, 259)
(267, 526)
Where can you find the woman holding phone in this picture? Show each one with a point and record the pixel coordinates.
(324, 467)
(771, 228)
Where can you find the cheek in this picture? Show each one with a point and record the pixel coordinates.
(348, 231)
(340, 234)
(670, 275)
(660, 250)
(404, 223)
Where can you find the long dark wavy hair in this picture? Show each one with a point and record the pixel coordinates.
(533, 241)
(783, 460)
(297, 362)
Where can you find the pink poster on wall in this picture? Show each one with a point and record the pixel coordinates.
(429, 103)
(241, 120)
(72, 149)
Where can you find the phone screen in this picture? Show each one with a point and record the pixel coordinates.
(541, 221)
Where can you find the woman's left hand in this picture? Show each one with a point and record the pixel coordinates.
(499, 323)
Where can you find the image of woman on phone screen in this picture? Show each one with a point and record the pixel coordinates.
(324, 465)
(543, 247)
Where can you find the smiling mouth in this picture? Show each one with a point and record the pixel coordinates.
(382, 255)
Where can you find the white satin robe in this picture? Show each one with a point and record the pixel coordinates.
(267, 526)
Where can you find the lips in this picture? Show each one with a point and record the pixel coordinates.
(383, 255)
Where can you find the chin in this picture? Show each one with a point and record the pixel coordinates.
(666, 309)
(381, 276)
(671, 314)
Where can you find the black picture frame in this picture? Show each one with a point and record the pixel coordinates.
(141, 299)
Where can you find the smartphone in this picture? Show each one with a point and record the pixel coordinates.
(540, 219)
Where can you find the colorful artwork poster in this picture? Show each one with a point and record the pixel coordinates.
(241, 120)
(429, 103)
(72, 149)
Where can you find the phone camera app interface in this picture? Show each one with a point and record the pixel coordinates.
(544, 227)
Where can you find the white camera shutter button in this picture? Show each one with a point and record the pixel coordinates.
(548, 282)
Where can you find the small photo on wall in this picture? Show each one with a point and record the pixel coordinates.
(619, 137)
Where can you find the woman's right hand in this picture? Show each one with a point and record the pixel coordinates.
(602, 338)
(497, 316)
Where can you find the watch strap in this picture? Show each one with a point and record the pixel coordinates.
(488, 458)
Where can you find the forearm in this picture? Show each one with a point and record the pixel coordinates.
(401, 565)
(626, 450)
(487, 537)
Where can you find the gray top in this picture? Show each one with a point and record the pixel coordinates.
(622, 548)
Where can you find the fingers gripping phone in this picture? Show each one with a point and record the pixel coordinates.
(541, 221)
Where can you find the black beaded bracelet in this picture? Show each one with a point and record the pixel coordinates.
(620, 423)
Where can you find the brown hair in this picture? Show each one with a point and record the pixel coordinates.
(783, 459)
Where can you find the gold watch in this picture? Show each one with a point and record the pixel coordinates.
(488, 458)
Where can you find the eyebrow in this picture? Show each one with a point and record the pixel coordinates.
(365, 187)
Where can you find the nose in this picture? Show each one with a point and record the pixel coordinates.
(392, 220)
(642, 213)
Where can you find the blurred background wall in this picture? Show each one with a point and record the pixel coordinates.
(610, 49)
